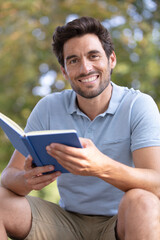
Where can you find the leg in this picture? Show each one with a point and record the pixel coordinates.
(15, 215)
(139, 216)
(51, 222)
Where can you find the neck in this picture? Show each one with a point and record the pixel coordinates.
(92, 107)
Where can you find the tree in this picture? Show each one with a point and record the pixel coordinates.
(29, 70)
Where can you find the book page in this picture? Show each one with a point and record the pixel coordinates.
(12, 124)
(45, 132)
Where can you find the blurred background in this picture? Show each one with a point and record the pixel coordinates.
(29, 70)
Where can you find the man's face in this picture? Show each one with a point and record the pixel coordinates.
(86, 65)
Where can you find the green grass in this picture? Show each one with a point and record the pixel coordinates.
(49, 193)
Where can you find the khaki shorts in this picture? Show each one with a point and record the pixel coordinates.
(51, 222)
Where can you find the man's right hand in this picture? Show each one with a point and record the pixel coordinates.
(35, 179)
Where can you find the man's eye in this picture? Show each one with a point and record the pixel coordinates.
(72, 61)
(94, 56)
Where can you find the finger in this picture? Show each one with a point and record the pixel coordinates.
(42, 179)
(42, 185)
(38, 171)
(69, 156)
(71, 163)
(85, 142)
(28, 163)
(58, 149)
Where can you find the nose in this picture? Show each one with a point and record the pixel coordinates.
(86, 66)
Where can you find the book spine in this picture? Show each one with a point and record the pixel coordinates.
(36, 159)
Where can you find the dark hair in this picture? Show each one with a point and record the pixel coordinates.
(80, 27)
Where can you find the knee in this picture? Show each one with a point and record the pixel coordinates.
(4, 191)
(137, 206)
(141, 200)
(4, 195)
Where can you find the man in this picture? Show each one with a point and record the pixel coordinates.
(113, 188)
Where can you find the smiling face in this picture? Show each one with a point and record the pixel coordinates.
(86, 65)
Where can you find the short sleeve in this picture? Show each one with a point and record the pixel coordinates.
(37, 120)
(145, 123)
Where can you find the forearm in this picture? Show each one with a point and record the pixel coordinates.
(13, 179)
(89, 161)
(126, 178)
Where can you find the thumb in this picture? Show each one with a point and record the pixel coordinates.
(85, 142)
(28, 163)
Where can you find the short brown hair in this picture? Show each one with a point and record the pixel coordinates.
(80, 27)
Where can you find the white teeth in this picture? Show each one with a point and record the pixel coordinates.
(89, 79)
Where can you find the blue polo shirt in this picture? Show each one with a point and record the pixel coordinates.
(132, 121)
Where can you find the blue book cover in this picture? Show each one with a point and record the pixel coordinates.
(34, 143)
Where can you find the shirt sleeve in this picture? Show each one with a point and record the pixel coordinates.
(38, 119)
(145, 123)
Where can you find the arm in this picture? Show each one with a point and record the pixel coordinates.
(21, 178)
(89, 161)
(145, 175)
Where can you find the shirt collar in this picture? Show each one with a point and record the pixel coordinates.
(72, 105)
(117, 95)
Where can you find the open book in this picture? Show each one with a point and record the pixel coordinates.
(34, 143)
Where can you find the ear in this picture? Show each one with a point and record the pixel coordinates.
(64, 73)
(112, 60)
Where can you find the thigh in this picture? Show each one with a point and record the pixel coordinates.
(109, 229)
(51, 222)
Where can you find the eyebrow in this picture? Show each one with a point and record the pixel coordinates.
(93, 51)
(70, 56)
(73, 56)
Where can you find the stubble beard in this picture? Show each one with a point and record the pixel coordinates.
(92, 93)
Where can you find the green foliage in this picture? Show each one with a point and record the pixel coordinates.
(26, 29)
(49, 193)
